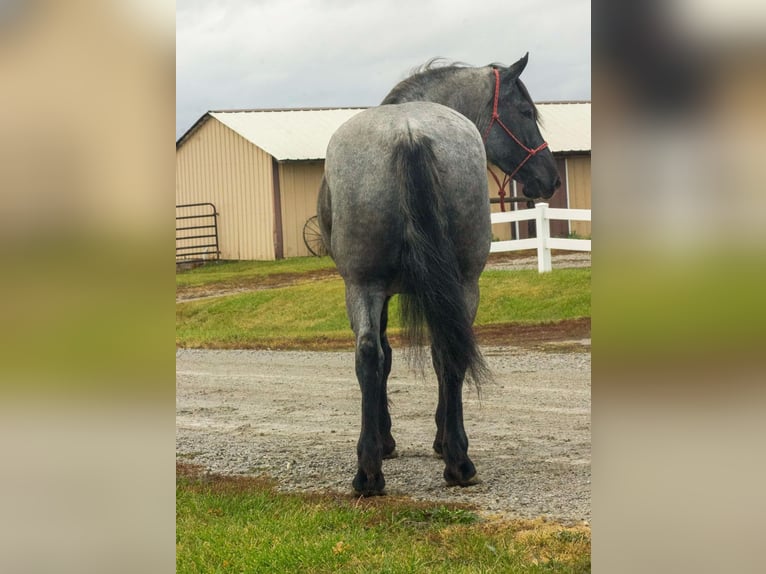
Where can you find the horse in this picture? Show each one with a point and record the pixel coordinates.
(403, 208)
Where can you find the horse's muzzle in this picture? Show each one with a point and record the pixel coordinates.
(548, 193)
(536, 189)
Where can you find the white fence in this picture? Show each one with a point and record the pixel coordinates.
(542, 214)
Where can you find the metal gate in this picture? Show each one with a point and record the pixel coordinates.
(197, 241)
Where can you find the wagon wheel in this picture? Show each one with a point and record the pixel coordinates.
(312, 237)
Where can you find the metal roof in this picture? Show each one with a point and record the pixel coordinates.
(303, 134)
(288, 134)
(565, 125)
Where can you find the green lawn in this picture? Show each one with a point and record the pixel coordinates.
(315, 311)
(239, 524)
(226, 273)
(527, 296)
(299, 312)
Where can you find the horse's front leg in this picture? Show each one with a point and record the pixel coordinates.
(364, 308)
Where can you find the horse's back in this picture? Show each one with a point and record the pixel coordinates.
(367, 226)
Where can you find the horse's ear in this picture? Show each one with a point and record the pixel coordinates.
(515, 69)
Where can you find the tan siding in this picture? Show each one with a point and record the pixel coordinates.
(578, 174)
(217, 165)
(299, 184)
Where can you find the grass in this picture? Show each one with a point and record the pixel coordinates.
(313, 313)
(527, 296)
(234, 273)
(242, 524)
(298, 313)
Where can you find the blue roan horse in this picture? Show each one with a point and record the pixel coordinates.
(404, 208)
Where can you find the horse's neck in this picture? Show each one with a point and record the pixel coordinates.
(468, 91)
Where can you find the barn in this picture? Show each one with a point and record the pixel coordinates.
(247, 180)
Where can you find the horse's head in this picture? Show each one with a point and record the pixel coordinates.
(512, 136)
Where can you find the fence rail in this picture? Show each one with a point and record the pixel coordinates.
(199, 245)
(542, 214)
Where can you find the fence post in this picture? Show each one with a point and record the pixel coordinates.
(543, 233)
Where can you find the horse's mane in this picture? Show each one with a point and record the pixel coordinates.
(441, 66)
(437, 63)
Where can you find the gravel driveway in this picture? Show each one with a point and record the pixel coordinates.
(295, 416)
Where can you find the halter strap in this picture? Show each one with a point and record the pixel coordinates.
(501, 193)
(496, 119)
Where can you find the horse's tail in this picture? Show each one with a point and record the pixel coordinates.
(432, 280)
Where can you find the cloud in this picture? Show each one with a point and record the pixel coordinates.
(302, 53)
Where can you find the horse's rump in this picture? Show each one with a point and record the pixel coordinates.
(362, 202)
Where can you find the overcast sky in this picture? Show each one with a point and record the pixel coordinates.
(324, 53)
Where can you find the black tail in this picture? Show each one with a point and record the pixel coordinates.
(431, 276)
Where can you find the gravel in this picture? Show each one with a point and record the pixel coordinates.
(558, 261)
(295, 416)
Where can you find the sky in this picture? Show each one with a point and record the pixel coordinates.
(235, 54)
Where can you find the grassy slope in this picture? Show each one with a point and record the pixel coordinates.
(316, 310)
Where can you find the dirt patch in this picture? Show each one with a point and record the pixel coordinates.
(294, 416)
(273, 281)
(515, 260)
(540, 334)
(572, 333)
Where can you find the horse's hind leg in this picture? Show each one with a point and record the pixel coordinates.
(389, 444)
(365, 306)
(451, 442)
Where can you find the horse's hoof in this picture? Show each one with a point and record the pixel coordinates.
(389, 447)
(464, 475)
(366, 485)
(474, 480)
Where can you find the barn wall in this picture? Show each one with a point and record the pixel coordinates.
(299, 186)
(579, 182)
(217, 165)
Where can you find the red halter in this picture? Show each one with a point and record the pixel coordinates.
(530, 151)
